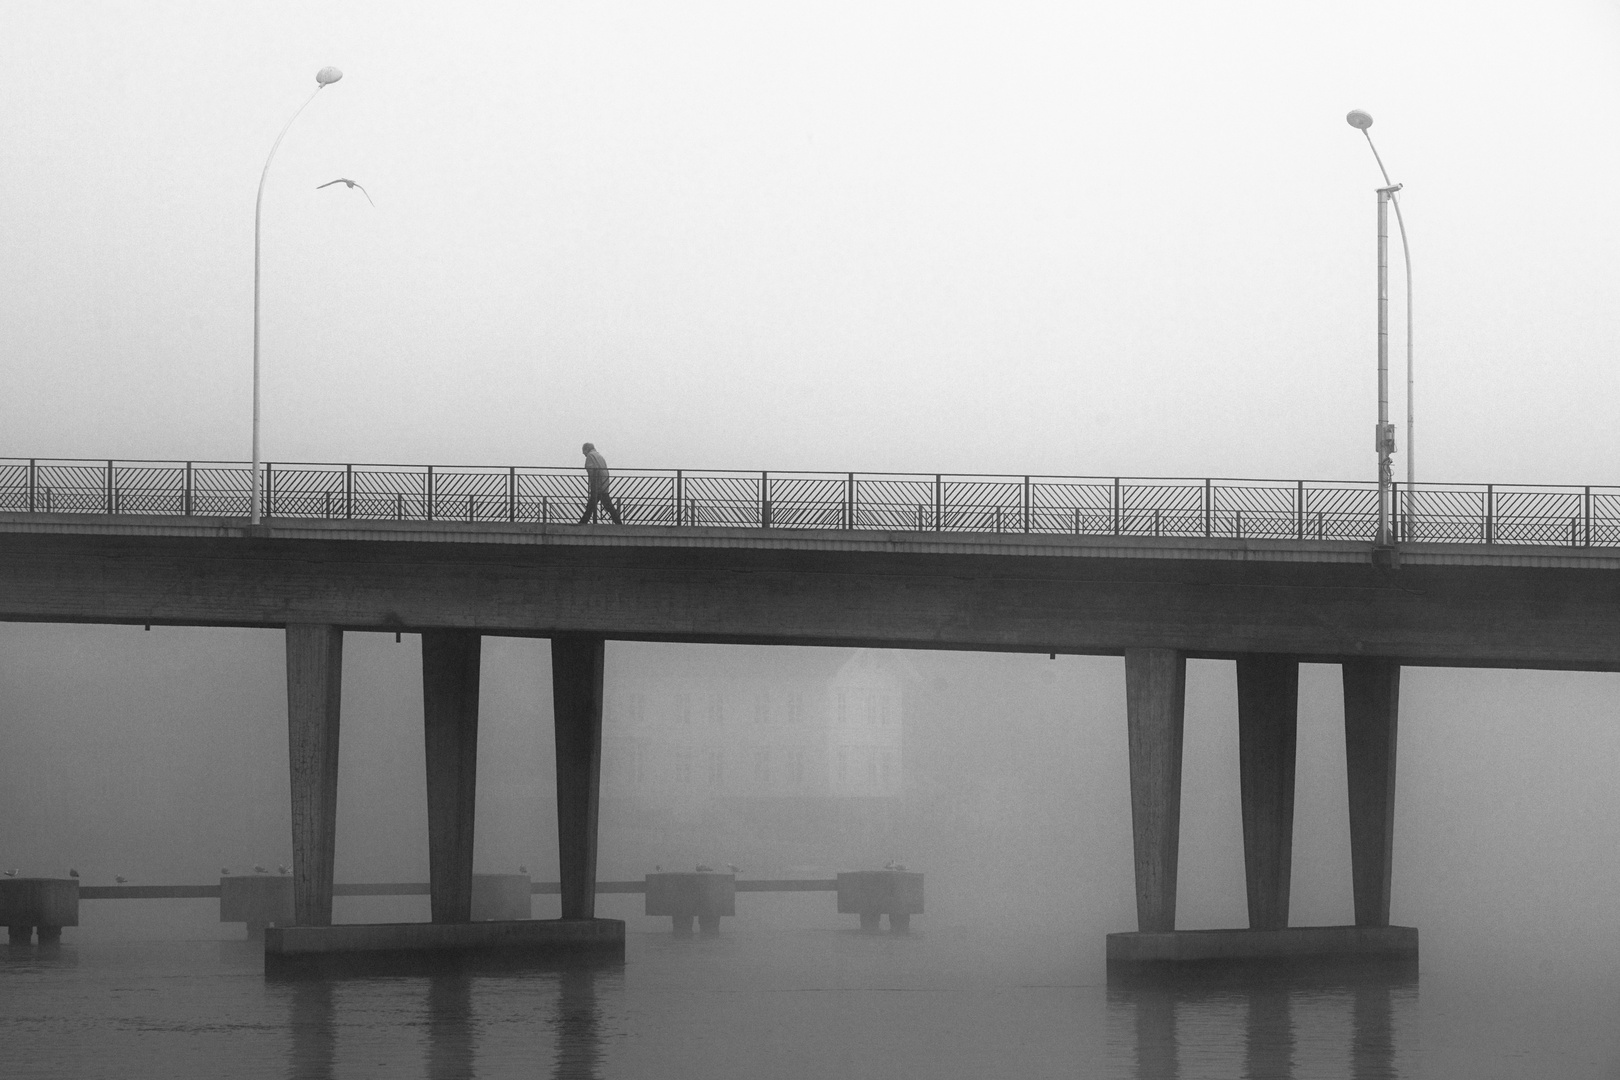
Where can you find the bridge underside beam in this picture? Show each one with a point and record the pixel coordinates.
(1499, 615)
(314, 697)
(450, 669)
(1268, 715)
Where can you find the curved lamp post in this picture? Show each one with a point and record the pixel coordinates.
(1361, 121)
(323, 78)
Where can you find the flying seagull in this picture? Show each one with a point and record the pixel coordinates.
(352, 186)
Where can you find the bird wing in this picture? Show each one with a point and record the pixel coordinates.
(329, 183)
(364, 192)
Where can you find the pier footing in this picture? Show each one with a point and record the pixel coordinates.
(292, 949)
(1292, 946)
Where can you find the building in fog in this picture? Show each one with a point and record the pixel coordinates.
(685, 726)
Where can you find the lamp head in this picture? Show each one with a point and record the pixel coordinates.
(1358, 119)
(329, 75)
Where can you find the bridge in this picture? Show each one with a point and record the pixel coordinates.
(1266, 573)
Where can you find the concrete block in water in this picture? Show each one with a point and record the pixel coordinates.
(872, 894)
(293, 949)
(1294, 944)
(702, 895)
(260, 900)
(46, 903)
(502, 897)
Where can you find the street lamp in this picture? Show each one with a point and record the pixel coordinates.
(1361, 121)
(323, 78)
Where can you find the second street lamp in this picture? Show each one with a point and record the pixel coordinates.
(1361, 121)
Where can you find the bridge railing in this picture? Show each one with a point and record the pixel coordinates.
(909, 502)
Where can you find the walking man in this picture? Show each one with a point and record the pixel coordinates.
(596, 469)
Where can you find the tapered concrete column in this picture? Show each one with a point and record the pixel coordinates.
(314, 693)
(576, 694)
(1372, 691)
(1268, 725)
(450, 660)
(1155, 700)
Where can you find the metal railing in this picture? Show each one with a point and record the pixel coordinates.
(907, 502)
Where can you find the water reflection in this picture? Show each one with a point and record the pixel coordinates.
(579, 1042)
(1263, 1026)
(456, 1004)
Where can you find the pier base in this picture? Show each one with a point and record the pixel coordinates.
(1303, 946)
(871, 894)
(704, 896)
(292, 949)
(46, 903)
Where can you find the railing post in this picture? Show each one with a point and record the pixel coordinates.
(1299, 510)
(545, 509)
(32, 471)
(110, 509)
(1026, 504)
(1586, 515)
(939, 502)
(1490, 513)
(269, 490)
(185, 502)
(1116, 506)
(849, 503)
(348, 492)
(326, 510)
(764, 500)
(1209, 506)
(511, 493)
(680, 497)
(471, 508)
(430, 493)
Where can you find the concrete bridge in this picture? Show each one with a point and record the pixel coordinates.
(1156, 600)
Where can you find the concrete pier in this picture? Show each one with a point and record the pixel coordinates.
(259, 900)
(701, 895)
(1268, 721)
(871, 894)
(1372, 690)
(450, 670)
(1298, 945)
(1155, 708)
(294, 949)
(43, 904)
(576, 693)
(314, 695)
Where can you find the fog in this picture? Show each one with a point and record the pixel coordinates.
(161, 756)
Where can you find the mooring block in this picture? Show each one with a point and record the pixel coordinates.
(48, 903)
(703, 895)
(501, 897)
(871, 893)
(260, 900)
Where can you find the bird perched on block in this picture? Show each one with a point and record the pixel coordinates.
(704, 869)
(734, 868)
(282, 869)
(658, 869)
(257, 869)
(224, 871)
(72, 873)
(523, 869)
(892, 865)
(352, 185)
(120, 878)
(11, 873)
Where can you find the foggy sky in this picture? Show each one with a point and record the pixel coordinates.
(1063, 238)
